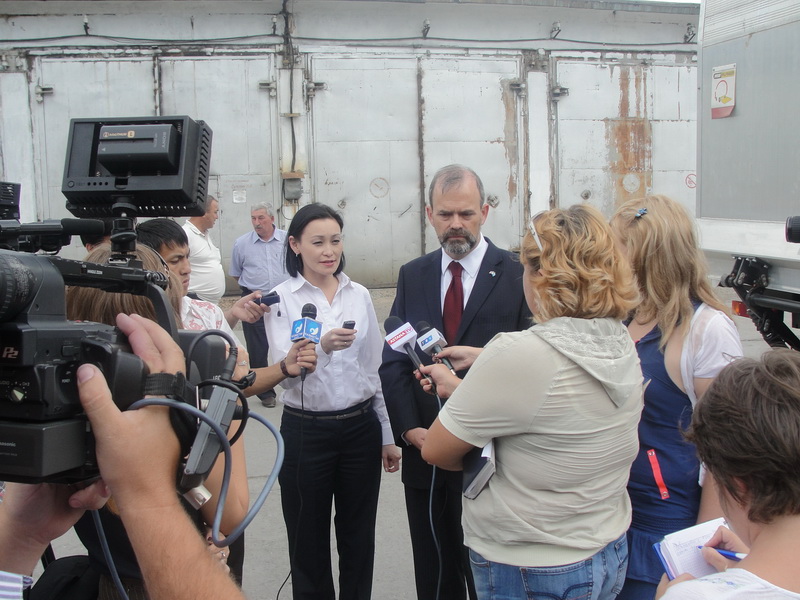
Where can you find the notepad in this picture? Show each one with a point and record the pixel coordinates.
(478, 470)
(679, 552)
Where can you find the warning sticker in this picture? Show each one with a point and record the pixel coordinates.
(723, 91)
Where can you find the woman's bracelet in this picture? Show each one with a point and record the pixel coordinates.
(284, 370)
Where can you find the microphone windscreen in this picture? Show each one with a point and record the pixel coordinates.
(391, 324)
(309, 311)
(82, 227)
(423, 327)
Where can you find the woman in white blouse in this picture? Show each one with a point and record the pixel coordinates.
(334, 423)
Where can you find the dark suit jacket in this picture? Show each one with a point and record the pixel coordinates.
(495, 304)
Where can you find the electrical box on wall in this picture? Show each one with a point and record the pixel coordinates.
(292, 186)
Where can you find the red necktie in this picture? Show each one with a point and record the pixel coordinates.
(453, 303)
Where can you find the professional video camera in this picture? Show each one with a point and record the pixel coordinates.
(120, 167)
(766, 298)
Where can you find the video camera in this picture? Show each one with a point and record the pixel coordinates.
(120, 167)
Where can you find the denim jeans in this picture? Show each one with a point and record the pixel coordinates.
(599, 577)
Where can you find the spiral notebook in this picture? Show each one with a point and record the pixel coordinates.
(679, 552)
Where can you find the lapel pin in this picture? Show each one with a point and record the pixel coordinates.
(492, 273)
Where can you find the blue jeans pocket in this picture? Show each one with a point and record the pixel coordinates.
(621, 554)
(565, 582)
(599, 577)
(498, 581)
(476, 560)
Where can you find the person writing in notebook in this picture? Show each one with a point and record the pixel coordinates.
(747, 433)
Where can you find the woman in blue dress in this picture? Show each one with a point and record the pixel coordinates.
(684, 338)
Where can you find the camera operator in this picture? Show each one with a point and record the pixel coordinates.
(143, 484)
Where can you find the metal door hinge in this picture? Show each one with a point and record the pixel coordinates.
(557, 92)
(42, 91)
(269, 86)
(313, 86)
(520, 87)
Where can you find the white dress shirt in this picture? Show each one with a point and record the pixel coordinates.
(471, 264)
(207, 279)
(343, 378)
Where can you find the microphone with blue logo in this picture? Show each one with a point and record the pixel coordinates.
(401, 337)
(431, 342)
(306, 328)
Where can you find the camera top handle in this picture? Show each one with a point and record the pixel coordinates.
(121, 279)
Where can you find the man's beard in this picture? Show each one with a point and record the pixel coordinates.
(460, 247)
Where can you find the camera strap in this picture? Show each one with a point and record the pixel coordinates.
(168, 385)
(175, 387)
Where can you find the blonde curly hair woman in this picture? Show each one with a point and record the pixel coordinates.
(561, 401)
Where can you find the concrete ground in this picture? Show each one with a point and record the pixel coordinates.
(266, 565)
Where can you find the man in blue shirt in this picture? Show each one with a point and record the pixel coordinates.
(258, 264)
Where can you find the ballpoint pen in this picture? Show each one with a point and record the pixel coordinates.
(728, 554)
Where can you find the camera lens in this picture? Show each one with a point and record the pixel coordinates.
(793, 230)
(17, 285)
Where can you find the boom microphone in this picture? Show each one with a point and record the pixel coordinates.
(306, 328)
(430, 341)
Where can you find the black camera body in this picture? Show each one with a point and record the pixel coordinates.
(120, 167)
(40, 348)
(44, 435)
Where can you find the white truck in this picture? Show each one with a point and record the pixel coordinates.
(749, 156)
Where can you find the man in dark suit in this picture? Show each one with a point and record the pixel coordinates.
(489, 290)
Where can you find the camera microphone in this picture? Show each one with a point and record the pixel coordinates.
(82, 227)
(57, 227)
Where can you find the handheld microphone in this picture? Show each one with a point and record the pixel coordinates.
(401, 337)
(306, 328)
(431, 342)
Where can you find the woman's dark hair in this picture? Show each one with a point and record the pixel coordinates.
(304, 216)
(746, 428)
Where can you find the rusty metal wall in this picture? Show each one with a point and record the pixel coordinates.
(362, 126)
(625, 129)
